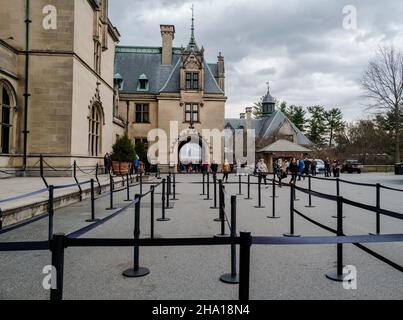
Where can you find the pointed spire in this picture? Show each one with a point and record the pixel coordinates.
(192, 42)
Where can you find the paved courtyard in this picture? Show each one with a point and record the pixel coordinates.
(277, 272)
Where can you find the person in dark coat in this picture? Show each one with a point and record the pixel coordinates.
(214, 169)
(107, 163)
(293, 169)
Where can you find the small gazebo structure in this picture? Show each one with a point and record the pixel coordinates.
(284, 149)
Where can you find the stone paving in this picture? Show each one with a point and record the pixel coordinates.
(277, 272)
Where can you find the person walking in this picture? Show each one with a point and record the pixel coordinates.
(313, 167)
(107, 163)
(262, 171)
(327, 168)
(136, 163)
(293, 169)
(214, 169)
(226, 169)
(301, 167)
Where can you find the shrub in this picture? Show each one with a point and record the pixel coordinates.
(123, 150)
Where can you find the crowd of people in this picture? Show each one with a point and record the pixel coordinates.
(298, 169)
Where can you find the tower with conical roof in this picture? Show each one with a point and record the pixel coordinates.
(269, 103)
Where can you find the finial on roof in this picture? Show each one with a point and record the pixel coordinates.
(192, 42)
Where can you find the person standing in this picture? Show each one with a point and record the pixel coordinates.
(226, 169)
(214, 169)
(293, 169)
(327, 168)
(136, 163)
(313, 167)
(301, 167)
(107, 163)
(262, 172)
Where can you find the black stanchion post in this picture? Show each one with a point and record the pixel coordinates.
(259, 193)
(222, 217)
(127, 188)
(240, 186)
(220, 200)
(274, 202)
(378, 208)
(248, 198)
(208, 186)
(174, 187)
(141, 183)
(136, 271)
(204, 185)
(152, 188)
(292, 213)
(1, 219)
(339, 275)
(111, 194)
(338, 186)
(310, 193)
(232, 278)
(215, 193)
(51, 211)
(168, 206)
(169, 184)
(244, 266)
(41, 171)
(75, 178)
(57, 245)
(92, 203)
(163, 218)
(97, 178)
(338, 194)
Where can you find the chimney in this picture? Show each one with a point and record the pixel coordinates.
(249, 111)
(242, 116)
(168, 35)
(221, 72)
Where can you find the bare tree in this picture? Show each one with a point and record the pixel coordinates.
(383, 83)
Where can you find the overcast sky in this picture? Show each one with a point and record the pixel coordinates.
(301, 47)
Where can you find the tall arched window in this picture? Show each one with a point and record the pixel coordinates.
(95, 127)
(6, 117)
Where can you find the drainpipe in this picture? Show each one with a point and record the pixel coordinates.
(26, 93)
(127, 117)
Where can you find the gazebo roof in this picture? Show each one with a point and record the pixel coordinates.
(284, 146)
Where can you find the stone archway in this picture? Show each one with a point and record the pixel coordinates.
(191, 140)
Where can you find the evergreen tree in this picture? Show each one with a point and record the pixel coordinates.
(258, 109)
(334, 123)
(316, 124)
(297, 116)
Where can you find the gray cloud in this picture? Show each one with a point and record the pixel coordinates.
(300, 46)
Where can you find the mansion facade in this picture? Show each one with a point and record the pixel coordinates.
(164, 86)
(56, 82)
(68, 91)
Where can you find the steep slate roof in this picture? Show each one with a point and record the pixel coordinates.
(268, 126)
(131, 62)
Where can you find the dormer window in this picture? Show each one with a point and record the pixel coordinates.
(143, 84)
(192, 81)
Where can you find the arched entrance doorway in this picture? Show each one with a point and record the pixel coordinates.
(191, 154)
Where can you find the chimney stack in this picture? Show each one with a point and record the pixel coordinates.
(249, 112)
(168, 35)
(221, 71)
